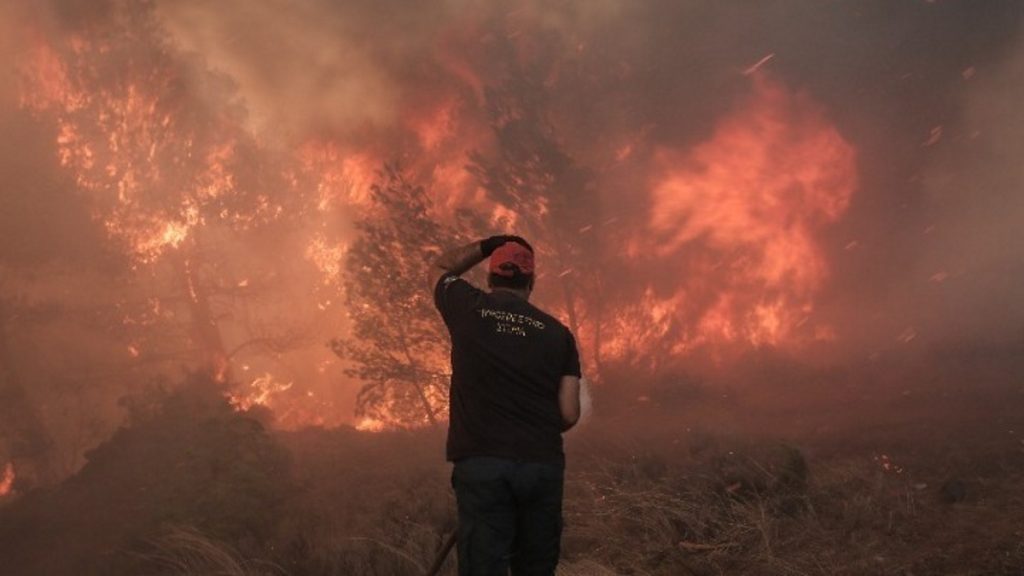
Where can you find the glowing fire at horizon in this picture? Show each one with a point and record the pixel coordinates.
(367, 424)
(7, 480)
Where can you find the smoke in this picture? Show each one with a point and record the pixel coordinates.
(971, 273)
(926, 256)
(301, 66)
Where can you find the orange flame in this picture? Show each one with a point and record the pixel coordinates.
(7, 480)
(124, 147)
(367, 424)
(743, 208)
(739, 212)
(327, 257)
(341, 177)
(259, 392)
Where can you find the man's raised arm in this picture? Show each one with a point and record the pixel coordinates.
(459, 260)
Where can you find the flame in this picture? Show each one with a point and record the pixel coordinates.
(259, 392)
(150, 177)
(341, 177)
(290, 409)
(7, 480)
(742, 210)
(503, 217)
(438, 127)
(367, 424)
(739, 214)
(327, 257)
(639, 328)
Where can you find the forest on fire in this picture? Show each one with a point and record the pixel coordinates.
(787, 241)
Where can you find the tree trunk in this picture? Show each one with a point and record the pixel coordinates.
(204, 327)
(419, 389)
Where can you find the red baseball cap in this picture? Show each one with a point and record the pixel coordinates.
(509, 257)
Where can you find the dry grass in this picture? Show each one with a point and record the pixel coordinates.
(183, 551)
(714, 505)
(711, 504)
(725, 510)
(921, 489)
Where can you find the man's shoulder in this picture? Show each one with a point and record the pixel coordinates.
(454, 295)
(447, 278)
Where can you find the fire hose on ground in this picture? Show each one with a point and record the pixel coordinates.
(442, 555)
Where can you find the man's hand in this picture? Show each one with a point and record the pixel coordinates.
(569, 401)
(489, 245)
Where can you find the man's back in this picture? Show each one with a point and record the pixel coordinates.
(508, 358)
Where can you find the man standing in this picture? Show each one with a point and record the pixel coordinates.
(515, 389)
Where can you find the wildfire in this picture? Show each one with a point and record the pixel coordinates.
(327, 257)
(7, 480)
(742, 211)
(149, 171)
(149, 240)
(164, 162)
(435, 129)
(259, 392)
(367, 424)
(341, 178)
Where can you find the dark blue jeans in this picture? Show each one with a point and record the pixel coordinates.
(510, 516)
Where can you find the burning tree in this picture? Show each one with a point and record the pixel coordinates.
(550, 195)
(397, 345)
(156, 144)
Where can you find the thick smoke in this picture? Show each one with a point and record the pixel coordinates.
(970, 276)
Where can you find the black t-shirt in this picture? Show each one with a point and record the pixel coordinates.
(508, 358)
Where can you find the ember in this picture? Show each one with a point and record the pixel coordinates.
(7, 480)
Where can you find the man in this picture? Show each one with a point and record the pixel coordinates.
(515, 389)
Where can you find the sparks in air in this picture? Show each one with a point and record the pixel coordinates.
(757, 65)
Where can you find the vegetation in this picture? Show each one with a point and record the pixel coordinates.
(187, 459)
(892, 481)
(398, 349)
(531, 173)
